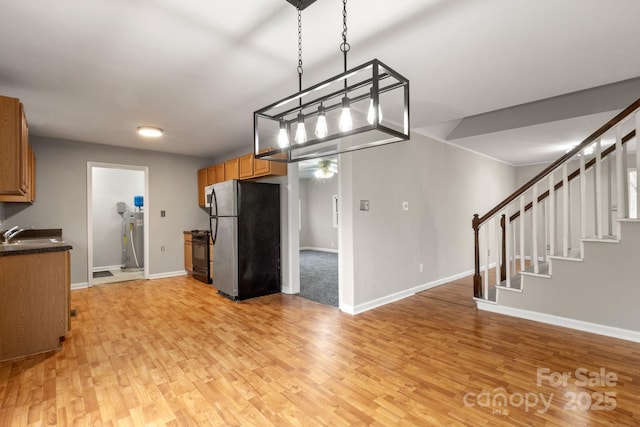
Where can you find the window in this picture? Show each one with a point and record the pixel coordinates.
(633, 193)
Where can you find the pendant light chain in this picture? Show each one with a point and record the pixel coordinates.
(345, 46)
(300, 69)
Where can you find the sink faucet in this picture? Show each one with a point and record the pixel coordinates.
(13, 232)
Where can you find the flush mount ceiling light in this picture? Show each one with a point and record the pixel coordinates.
(150, 131)
(345, 112)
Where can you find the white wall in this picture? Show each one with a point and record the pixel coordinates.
(61, 199)
(316, 196)
(443, 185)
(111, 186)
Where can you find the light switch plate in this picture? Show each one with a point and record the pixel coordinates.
(405, 206)
(364, 205)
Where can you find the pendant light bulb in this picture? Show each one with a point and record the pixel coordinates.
(321, 125)
(346, 123)
(372, 109)
(301, 131)
(283, 137)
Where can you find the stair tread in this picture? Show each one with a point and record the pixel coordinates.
(572, 254)
(543, 270)
(516, 283)
(603, 239)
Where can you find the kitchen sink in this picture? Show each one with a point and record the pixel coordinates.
(32, 242)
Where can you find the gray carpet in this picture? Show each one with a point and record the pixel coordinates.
(319, 277)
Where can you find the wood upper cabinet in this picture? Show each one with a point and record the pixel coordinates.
(231, 169)
(266, 167)
(202, 182)
(14, 151)
(211, 175)
(243, 167)
(246, 166)
(219, 170)
(215, 174)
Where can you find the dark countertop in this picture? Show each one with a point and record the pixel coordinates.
(35, 242)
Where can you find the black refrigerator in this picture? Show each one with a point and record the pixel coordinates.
(245, 231)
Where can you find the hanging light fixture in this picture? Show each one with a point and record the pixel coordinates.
(346, 109)
(321, 125)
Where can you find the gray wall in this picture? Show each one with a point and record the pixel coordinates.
(111, 186)
(61, 198)
(444, 186)
(602, 289)
(317, 230)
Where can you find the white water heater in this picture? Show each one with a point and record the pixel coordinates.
(132, 236)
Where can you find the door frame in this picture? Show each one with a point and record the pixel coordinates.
(145, 213)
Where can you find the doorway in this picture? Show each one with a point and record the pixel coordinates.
(319, 231)
(117, 223)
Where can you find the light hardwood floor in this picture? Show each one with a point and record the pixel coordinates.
(172, 352)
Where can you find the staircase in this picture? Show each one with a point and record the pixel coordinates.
(563, 248)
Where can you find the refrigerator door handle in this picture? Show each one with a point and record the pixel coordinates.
(214, 231)
(214, 203)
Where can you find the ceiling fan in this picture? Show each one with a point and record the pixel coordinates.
(326, 169)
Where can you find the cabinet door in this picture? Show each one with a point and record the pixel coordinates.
(267, 167)
(202, 182)
(261, 167)
(211, 175)
(24, 150)
(231, 169)
(30, 195)
(246, 166)
(188, 254)
(219, 172)
(13, 160)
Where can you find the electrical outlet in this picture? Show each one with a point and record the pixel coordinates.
(405, 206)
(161, 248)
(421, 267)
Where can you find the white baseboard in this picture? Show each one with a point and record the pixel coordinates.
(594, 328)
(107, 267)
(167, 274)
(361, 308)
(82, 285)
(333, 251)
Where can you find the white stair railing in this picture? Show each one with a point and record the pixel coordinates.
(500, 244)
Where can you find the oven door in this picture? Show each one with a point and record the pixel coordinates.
(200, 252)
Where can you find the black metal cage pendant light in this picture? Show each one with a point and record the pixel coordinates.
(362, 107)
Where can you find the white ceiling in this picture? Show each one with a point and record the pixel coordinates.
(95, 70)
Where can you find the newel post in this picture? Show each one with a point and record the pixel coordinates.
(503, 266)
(477, 279)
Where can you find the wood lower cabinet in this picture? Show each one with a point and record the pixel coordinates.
(34, 308)
(188, 253)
